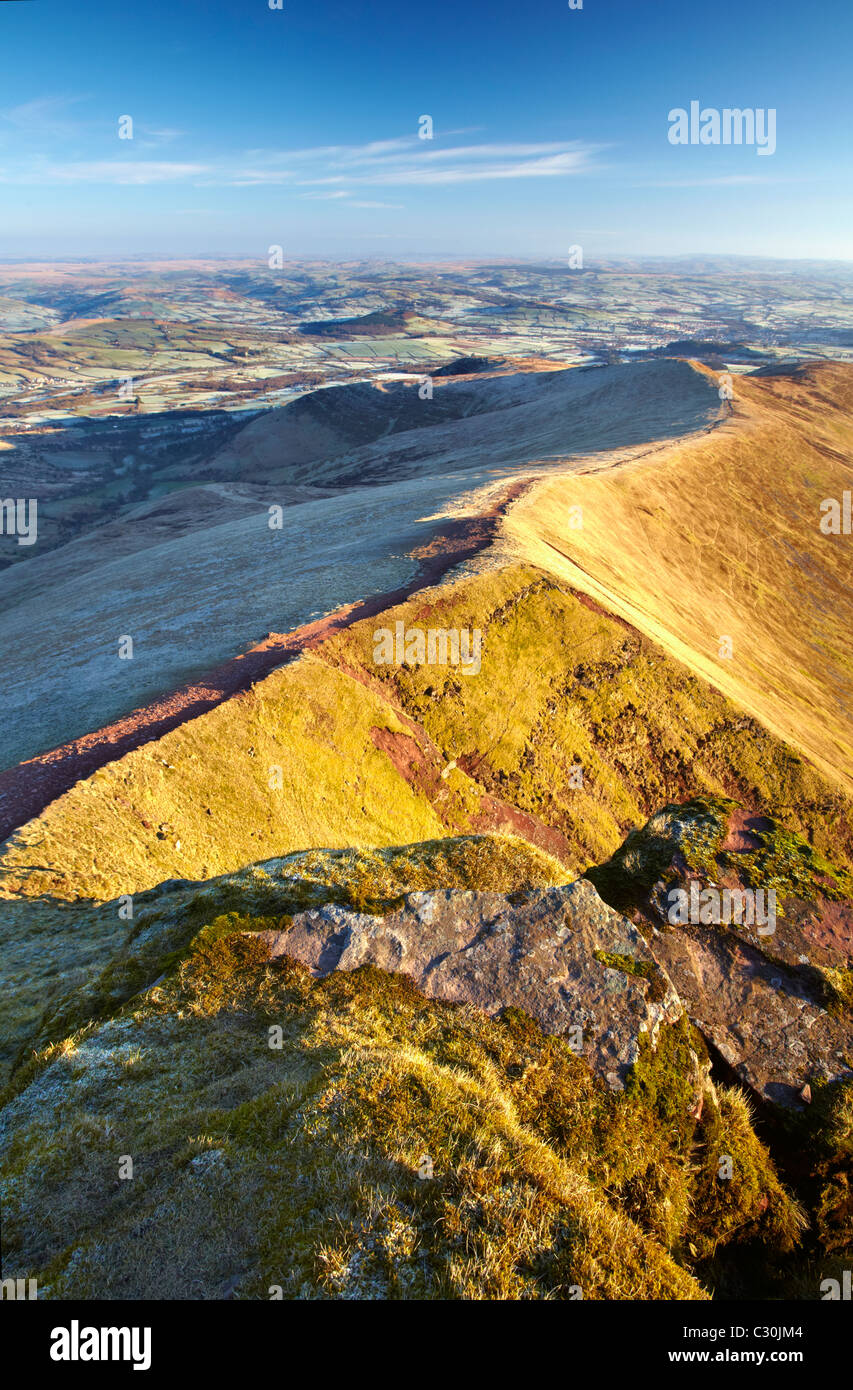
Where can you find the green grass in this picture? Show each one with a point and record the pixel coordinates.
(299, 1167)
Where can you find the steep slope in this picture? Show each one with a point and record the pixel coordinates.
(335, 750)
(211, 574)
(333, 1131)
(393, 1144)
(714, 549)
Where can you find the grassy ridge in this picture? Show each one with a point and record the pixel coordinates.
(371, 755)
(720, 538)
(564, 686)
(367, 757)
(300, 1167)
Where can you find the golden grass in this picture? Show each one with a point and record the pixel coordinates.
(719, 537)
(198, 802)
(561, 687)
(66, 963)
(300, 1167)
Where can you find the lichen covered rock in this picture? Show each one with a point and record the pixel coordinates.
(561, 954)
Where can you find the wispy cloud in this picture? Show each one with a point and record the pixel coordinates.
(44, 117)
(150, 137)
(409, 161)
(323, 197)
(422, 171)
(329, 171)
(43, 126)
(351, 202)
(117, 171)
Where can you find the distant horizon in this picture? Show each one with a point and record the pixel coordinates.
(432, 258)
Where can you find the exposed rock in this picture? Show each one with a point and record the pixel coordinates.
(755, 984)
(713, 842)
(817, 932)
(560, 954)
(762, 1017)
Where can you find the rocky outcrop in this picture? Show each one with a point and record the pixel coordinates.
(560, 954)
(764, 1019)
(764, 997)
(765, 988)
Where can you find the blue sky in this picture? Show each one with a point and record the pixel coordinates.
(299, 127)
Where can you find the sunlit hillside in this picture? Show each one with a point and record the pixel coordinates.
(714, 548)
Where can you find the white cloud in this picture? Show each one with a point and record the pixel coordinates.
(402, 162)
(410, 161)
(133, 171)
(340, 193)
(722, 181)
(422, 171)
(150, 138)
